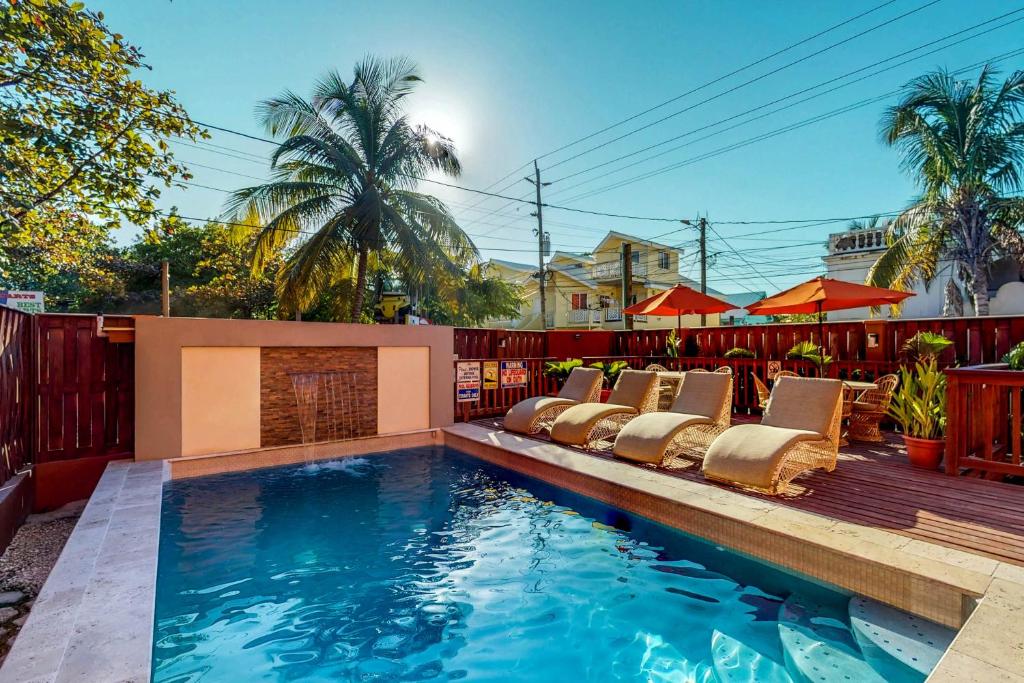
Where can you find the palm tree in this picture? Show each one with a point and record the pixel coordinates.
(964, 141)
(342, 193)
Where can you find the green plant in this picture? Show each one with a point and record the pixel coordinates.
(560, 369)
(1015, 358)
(611, 370)
(925, 346)
(919, 402)
(739, 352)
(672, 345)
(809, 351)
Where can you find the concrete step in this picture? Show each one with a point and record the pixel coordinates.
(900, 646)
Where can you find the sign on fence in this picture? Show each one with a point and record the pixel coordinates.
(467, 382)
(513, 373)
(26, 302)
(490, 374)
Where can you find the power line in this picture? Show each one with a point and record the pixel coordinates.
(795, 94)
(748, 82)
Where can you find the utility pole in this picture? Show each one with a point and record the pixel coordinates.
(627, 284)
(165, 288)
(702, 225)
(539, 231)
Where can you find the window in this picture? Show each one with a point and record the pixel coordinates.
(635, 258)
(579, 301)
(663, 260)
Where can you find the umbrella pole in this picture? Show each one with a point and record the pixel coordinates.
(679, 333)
(821, 341)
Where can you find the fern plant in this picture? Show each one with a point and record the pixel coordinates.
(919, 403)
(739, 352)
(611, 370)
(560, 370)
(1015, 358)
(925, 346)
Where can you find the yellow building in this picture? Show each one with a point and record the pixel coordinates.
(585, 291)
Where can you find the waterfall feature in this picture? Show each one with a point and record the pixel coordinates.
(325, 401)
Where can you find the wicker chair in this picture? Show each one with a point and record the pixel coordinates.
(723, 370)
(785, 373)
(654, 367)
(587, 424)
(763, 393)
(799, 432)
(536, 414)
(871, 408)
(848, 395)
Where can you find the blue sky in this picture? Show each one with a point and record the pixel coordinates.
(514, 81)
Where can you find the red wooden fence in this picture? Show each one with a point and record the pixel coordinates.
(85, 390)
(975, 340)
(984, 420)
(15, 391)
(498, 401)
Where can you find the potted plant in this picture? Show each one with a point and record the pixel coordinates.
(1015, 358)
(919, 407)
(559, 370)
(925, 346)
(739, 352)
(611, 373)
(672, 345)
(809, 351)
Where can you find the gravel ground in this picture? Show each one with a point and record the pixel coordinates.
(27, 562)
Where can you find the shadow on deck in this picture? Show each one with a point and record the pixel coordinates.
(874, 485)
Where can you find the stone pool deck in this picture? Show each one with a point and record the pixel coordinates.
(93, 620)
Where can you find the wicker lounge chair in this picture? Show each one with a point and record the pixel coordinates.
(700, 412)
(799, 432)
(635, 392)
(537, 413)
(870, 409)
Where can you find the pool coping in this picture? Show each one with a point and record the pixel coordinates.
(94, 618)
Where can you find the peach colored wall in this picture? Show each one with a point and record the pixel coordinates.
(158, 369)
(401, 405)
(220, 399)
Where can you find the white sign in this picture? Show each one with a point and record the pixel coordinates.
(513, 373)
(467, 382)
(28, 302)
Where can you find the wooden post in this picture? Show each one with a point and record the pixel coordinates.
(165, 288)
(954, 427)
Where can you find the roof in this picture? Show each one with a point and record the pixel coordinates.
(612, 234)
(574, 272)
(572, 257)
(512, 265)
(741, 299)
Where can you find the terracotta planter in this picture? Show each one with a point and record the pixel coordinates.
(924, 453)
(605, 393)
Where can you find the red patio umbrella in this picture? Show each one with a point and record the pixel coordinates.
(825, 294)
(677, 300)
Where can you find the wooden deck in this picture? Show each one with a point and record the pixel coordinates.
(873, 485)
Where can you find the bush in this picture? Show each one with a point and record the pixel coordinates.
(1015, 357)
(739, 352)
(925, 346)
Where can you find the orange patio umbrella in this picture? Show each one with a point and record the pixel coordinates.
(825, 294)
(677, 300)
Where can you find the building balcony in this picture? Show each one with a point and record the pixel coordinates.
(613, 271)
(853, 241)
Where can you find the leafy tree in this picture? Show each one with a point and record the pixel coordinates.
(342, 189)
(78, 134)
(964, 142)
(472, 298)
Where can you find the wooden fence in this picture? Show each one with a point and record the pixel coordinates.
(15, 391)
(975, 340)
(984, 420)
(497, 401)
(85, 390)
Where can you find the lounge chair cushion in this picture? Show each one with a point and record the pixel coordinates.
(521, 415)
(645, 437)
(632, 388)
(581, 384)
(803, 404)
(573, 426)
(702, 393)
(750, 454)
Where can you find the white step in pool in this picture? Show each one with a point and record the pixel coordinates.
(898, 645)
(737, 662)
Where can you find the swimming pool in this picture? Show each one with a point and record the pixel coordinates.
(427, 564)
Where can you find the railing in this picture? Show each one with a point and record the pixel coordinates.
(15, 391)
(497, 401)
(471, 342)
(984, 420)
(582, 316)
(613, 271)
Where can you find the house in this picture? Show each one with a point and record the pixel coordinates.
(585, 290)
(851, 255)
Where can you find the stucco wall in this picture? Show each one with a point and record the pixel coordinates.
(159, 414)
(220, 399)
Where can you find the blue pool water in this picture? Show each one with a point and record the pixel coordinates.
(429, 565)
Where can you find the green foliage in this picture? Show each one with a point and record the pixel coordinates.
(1015, 357)
(925, 346)
(611, 370)
(471, 298)
(739, 352)
(82, 139)
(964, 144)
(672, 345)
(345, 172)
(797, 317)
(919, 402)
(809, 351)
(560, 370)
